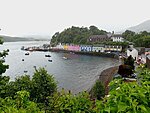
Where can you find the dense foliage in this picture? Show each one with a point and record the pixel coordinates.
(3, 54)
(76, 35)
(65, 102)
(141, 39)
(98, 90)
(131, 97)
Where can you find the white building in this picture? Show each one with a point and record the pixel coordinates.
(117, 38)
(59, 46)
(133, 52)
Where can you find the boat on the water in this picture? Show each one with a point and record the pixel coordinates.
(65, 58)
(47, 55)
(22, 48)
(25, 71)
(26, 53)
(50, 60)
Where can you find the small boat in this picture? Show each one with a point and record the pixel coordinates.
(22, 48)
(25, 71)
(65, 58)
(26, 53)
(50, 60)
(47, 55)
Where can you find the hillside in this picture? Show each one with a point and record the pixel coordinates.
(15, 39)
(76, 35)
(145, 26)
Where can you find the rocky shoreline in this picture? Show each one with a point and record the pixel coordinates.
(106, 76)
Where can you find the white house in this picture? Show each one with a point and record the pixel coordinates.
(117, 38)
(133, 52)
(59, 46)
(98, 48)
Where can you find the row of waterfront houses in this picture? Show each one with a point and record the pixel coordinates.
(89, 48)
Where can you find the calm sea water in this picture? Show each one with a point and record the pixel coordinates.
(78, 73)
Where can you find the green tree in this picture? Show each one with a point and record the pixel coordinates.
(75, 35)
(128, 35)
(3, 79)
(20, 104)
(95, 31)
(3, 66)
(21, 83)
(129, 61)
(141, 39)
(98, 90)
(44, 85)
(65, 102)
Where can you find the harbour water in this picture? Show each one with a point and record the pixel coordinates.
(77, 73)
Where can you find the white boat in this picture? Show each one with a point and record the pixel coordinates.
(65, 58)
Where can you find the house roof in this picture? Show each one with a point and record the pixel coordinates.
(131, 49)
(98, 36)
(117, 35)
(98, 45)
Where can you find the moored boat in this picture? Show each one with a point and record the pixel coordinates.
(65, 58)
(26, 53)
(47, 55)
(50, 60)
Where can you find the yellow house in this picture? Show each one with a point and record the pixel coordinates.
(65, 47)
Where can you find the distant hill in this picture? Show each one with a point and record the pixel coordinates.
(16, 39)
(145, 26)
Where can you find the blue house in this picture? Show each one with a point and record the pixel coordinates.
(86, 48)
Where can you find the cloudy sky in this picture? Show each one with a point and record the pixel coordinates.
(45, 17)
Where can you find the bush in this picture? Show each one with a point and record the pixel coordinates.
(98, 90)
(44, 85)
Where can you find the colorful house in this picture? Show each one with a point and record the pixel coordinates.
(113, 48)
(86, 48)
(73, 47)
(65, 47)
(98, 48)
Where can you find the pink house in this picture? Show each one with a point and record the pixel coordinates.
(73, 47)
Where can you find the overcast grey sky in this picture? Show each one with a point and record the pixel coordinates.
(45, 17)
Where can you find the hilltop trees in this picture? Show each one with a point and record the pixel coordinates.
(76, 35)
(141, 39)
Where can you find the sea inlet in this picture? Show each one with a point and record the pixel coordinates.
(76, 73)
